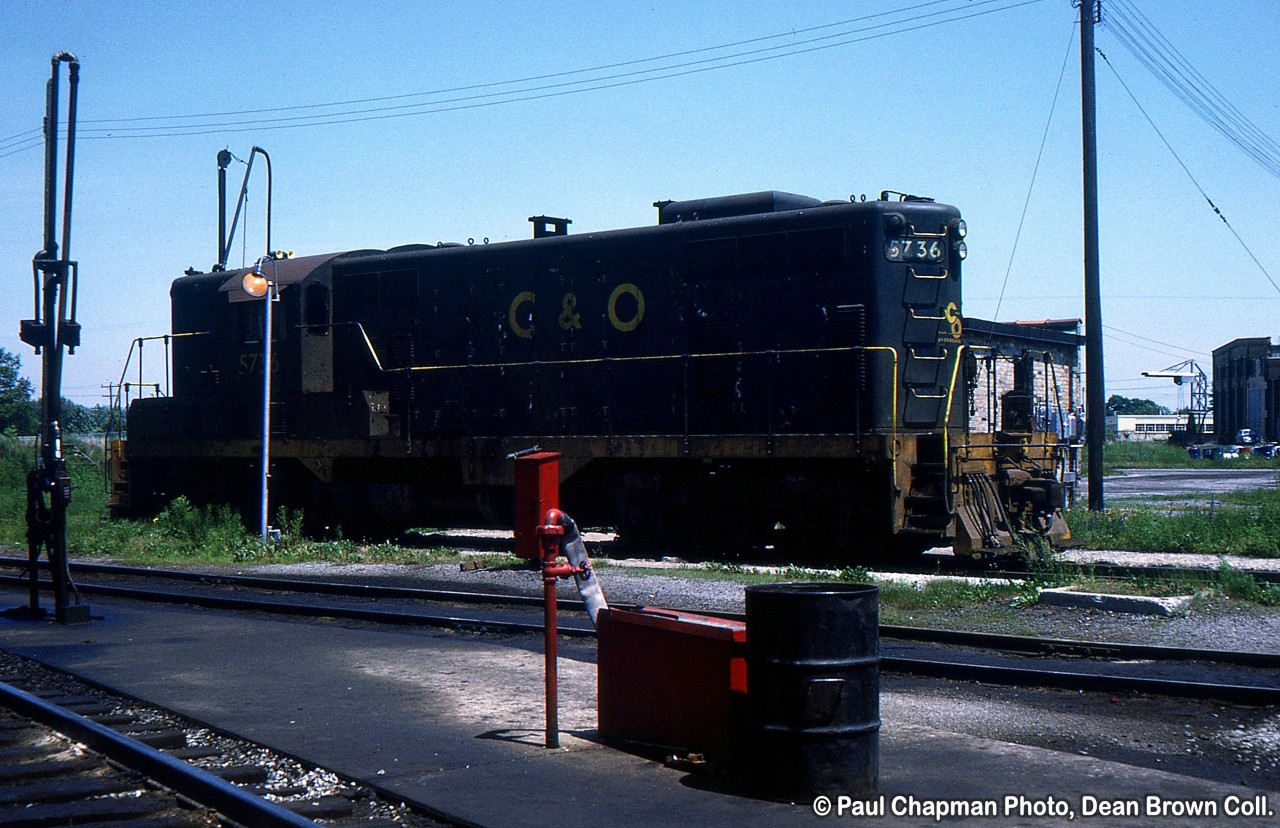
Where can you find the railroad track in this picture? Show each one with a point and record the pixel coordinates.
(72, 754)
(940, 565)
(1010, 568)
(51, 779)
(1237, 677)
(1099, 570)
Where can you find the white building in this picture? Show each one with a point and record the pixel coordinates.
(1153, 427)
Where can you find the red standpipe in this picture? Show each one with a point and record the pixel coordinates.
(538, 532)
(550, 533)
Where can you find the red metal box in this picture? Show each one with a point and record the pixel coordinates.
(537, 490)
(672, 679)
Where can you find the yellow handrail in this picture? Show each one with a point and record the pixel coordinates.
(893, 425)
(946, 422)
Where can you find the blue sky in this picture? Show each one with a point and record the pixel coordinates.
(956, 111)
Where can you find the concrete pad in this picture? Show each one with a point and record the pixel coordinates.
(454, 721)
(1139, 604)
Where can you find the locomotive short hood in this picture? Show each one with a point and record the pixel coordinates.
(284, 272)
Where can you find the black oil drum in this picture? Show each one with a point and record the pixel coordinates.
(813, 688)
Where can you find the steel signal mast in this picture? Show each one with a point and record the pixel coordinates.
(53, 329)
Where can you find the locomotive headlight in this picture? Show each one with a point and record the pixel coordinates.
(254, 284)
(962, 229)
(962, 250)
(895, 224)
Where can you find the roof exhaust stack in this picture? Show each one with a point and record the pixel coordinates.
(544, 226)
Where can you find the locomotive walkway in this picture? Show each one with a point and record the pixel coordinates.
(454, 721)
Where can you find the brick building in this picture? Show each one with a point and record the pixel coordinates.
(1246, 388)
(1049, 351)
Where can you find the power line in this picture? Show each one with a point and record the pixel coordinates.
(1174, 354)
(22, 141)
(1034, 172)
(23, 148)
(1147, 385)
(525, 80)
(1171, 68)
(1154, 51)
(21, 136)
(608, 81)
(1153, 341)
(1178, 158)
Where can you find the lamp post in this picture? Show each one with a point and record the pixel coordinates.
(260, 286)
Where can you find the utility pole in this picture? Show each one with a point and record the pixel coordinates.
(1095, 392)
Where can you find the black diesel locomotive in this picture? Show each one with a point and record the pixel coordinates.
(761, 369)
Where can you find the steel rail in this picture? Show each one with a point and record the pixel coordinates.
(187, 780)
(302, 585)
(1160, 573)
(939, 565)
(1086, 649)
(1097, 682)
(945, 565)
(955, 670)
(1067, 647)
(315, 610)
(985, 640)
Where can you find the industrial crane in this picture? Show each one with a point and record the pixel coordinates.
(1199, 409)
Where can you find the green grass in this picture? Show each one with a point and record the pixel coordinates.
(1250, 527)
(182, 533)
(1259, 498)
(1122, 454)
(88, 498)
(12, 490)
(1156, 588)
(1241, 586)
(1135, 455)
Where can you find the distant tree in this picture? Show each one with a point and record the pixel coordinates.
(1124, 405)
(19, 414)
(81, 419)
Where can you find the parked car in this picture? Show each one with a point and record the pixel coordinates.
(1247, 437)
(1213, 452)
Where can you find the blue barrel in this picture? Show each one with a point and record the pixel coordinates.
(813, 688)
